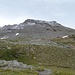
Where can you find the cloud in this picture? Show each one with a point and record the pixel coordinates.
(16, 11)
(60, 14)
(59, 1)
(7, 21)
(17, 20)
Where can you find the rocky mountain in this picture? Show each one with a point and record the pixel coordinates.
(45, 44)
(35, 29)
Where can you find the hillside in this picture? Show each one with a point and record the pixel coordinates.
(62, 54)
(39, 43)
(59, 59)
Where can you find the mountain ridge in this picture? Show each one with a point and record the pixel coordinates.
(36, 29)
(33, 22)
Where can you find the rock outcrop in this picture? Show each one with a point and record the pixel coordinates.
(14, 64)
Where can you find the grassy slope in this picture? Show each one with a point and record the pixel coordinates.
(38, 54)
(62, 59)
(17, 72)
(67, 41)
(62, 71)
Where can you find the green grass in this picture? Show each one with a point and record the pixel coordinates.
(39, 68)
(62, 71)
(17, 72)
(55, 71)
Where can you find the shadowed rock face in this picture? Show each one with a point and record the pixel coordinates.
(36, 29)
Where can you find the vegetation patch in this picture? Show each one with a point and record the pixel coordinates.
(17, 72)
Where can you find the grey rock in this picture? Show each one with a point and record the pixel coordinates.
(14, 64)
(45, 72)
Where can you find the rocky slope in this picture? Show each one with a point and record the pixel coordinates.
(35, 29)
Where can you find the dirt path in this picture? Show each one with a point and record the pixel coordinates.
(45, 72)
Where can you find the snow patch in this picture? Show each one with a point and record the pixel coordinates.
(15, 27)
(17, 34)
(5, 37)
(65, 36)
(28, 23)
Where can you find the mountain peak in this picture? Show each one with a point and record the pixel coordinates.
(34, 21)
(29, 20)
(54, 23)
(40, 21)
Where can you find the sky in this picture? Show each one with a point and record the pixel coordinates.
(17, 11)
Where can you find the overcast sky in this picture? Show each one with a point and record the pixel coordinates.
(16, 11)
